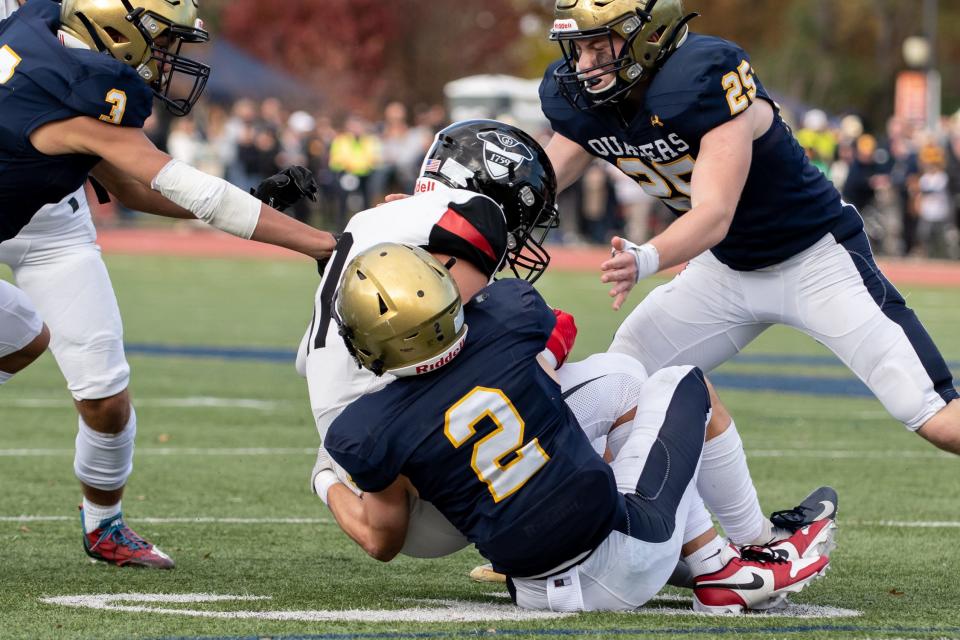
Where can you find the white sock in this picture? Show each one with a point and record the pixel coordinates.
(94, 514)
(708, 558)
(727, 489)
(4, 376)
(103, 460)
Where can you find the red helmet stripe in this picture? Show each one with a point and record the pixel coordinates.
(458, 225)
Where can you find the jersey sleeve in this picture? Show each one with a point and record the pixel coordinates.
(355, 441)
(474, 230)
(109, 91)
(713, 83)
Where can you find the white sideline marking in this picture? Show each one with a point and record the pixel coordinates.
(171, 451)
(179, 520)
(435, 611)
(190, 402)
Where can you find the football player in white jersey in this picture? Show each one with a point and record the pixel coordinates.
(451, 215)
(62, 278)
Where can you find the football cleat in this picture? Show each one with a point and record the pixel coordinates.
(812, 540)
(114, 542)
(820, 504)
(485, 573)
(756, 580)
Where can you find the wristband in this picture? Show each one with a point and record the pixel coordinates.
(322, 483)
(646, 256)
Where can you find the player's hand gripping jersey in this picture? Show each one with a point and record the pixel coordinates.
(43, 81)
(453, 222)
(489, 441)
(787, 204)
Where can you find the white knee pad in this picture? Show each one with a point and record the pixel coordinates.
(105, 461)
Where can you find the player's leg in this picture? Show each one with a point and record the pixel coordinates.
(66, 277)
(700, 318)
(845, 302)
(23, 335)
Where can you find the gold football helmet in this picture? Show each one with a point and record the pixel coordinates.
(399, 311)
(147, 36)
(651, 29)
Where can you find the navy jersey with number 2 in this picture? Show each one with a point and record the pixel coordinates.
(489, 441)
(42, 81)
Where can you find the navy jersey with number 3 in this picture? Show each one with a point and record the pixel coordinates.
(489, 441)
(787, 204)
(42, 81)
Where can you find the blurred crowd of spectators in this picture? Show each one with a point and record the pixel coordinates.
(905, 182)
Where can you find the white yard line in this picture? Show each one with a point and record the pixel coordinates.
(172, 451)
(192, 402)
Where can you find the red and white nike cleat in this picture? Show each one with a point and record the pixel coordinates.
(812, 540)
(757, 580)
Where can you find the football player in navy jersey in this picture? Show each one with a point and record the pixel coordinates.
(768, 238)
(76, 83)
(476, 424)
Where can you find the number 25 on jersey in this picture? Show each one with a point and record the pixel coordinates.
(460, 424)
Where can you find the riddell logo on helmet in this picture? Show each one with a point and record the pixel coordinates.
(565, 25)
(445, 359)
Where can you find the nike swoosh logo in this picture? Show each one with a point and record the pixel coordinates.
(572, 390)
(826, 511)
(756, 583)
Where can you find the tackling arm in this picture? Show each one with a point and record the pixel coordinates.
(375, 521)
(718, 179)
(568, 158)
(210, 199)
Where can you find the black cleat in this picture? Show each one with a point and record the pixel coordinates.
(820, 504)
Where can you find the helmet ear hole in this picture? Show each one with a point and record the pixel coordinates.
(117, 37)
(383, 305)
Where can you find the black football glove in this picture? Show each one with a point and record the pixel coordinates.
(287, 188)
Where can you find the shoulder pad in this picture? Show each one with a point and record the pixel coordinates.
(109, 90)
(705, 83)
(556, 108)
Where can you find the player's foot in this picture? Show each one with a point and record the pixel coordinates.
(822, 503)
(485, 573)
(114, 542)
(812, 540)
(756, 580)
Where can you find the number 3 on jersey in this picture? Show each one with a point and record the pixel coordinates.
(8, 63)
(460, 424)
(118, 101)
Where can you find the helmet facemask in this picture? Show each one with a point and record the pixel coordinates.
(167, 61)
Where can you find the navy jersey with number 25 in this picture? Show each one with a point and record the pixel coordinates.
(489, 441)
(42, 81)
(787, 204)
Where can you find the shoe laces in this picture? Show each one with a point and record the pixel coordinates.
(757, 553)
(791, 519)
(123, 536)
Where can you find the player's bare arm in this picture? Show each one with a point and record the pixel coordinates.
(134, 194)
(716, 184)
(569, 160)
(130, 148)
(375, 521)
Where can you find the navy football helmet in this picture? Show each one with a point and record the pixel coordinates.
(506, 164)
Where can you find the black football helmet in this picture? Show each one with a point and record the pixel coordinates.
(507, 165)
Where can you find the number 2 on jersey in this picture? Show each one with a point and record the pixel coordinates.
(460, 424)
(8, 63)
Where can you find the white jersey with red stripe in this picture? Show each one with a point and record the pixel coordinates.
(453, 222)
